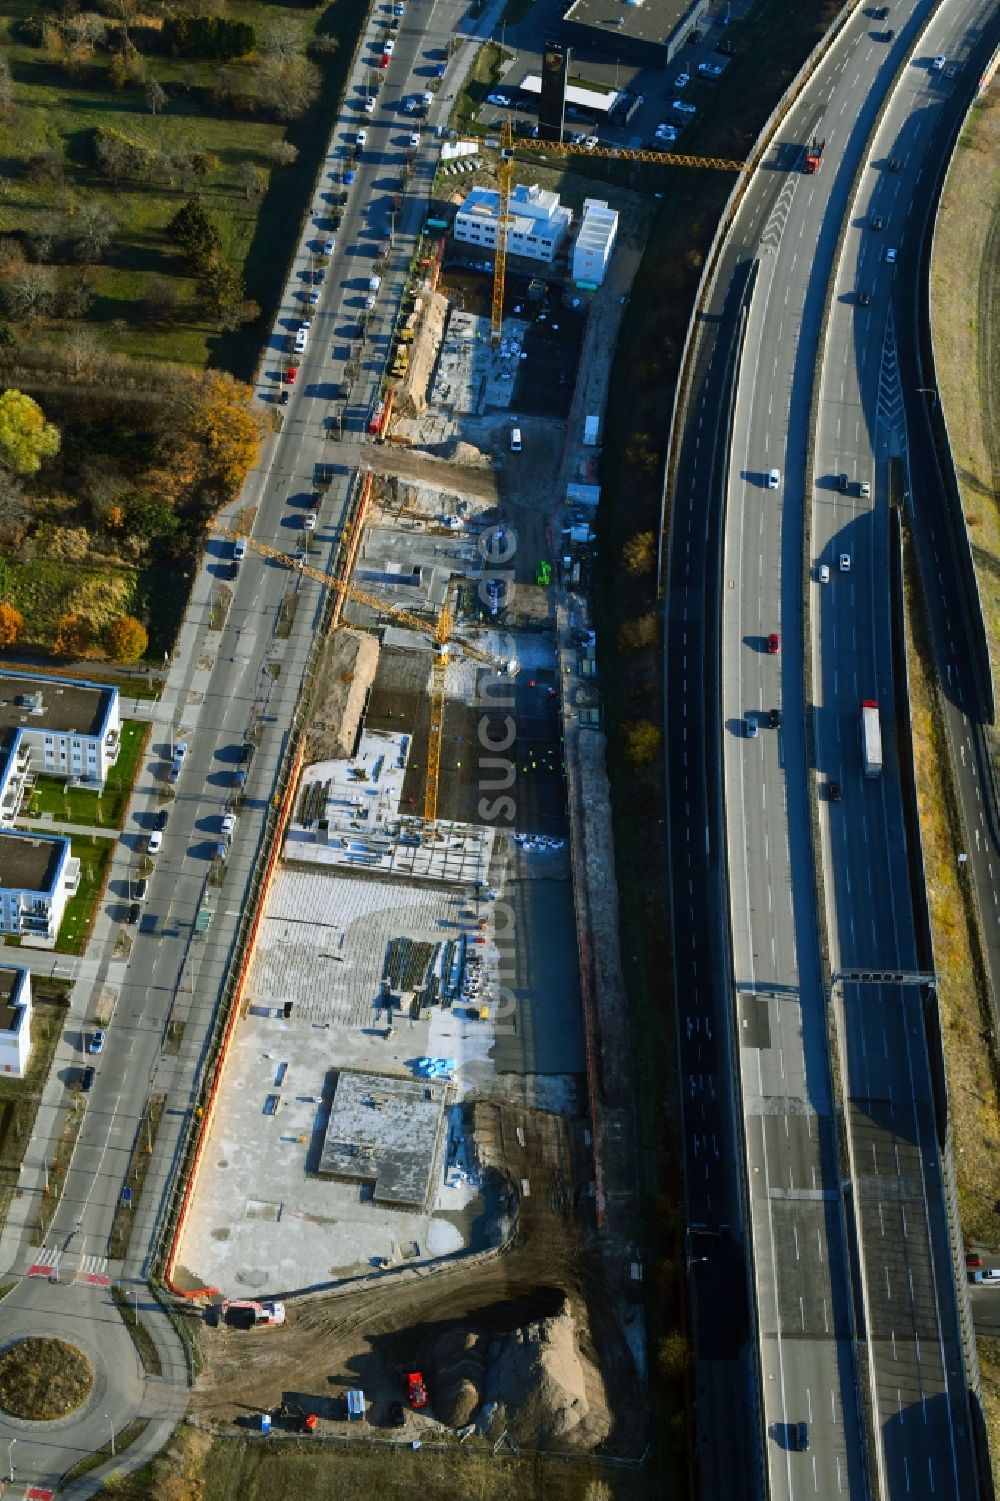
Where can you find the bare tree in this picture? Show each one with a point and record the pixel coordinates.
(283, 153)
(93, 229)
(83, 350)
(86, 30)
(48, 166)
(28, 293)
(156, 96)
(76, 291)
(283, 38)
(252, 179)
(15, 509)
(6, 89)
(287, 88)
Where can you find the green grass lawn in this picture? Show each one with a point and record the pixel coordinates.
(482, 79)
(95, 859)
(54, 110)
(105, 810)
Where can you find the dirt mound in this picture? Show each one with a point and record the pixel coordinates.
(534, 1381)
(345, 674)
(459, 1373)
(457, 451)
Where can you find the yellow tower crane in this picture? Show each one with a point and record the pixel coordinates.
(439, 632)
(505, 175)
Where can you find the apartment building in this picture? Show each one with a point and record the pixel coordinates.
(54, 727)
(38, 875)
(15, 1021)
(538, 221)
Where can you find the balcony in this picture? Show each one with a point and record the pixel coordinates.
(72, 878)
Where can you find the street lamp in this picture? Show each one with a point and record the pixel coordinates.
(112, 1427)
(928, 391)
(10, 1459)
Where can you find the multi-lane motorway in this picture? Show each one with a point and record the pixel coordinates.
(851, 1267)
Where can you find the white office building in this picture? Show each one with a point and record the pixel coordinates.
(15, 1021)
(38, 875)
(595, 242)
(54, 727)
(537, 226)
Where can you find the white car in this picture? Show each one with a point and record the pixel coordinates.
(313, 296)
(409, 105)
(773, 479)
(590, 142)
(387, 47)
(362, 139)
(239, 550)
(370, 301)
(666, 132)
(500, 100)
(309, 521)
(938, 64)
(824, 573)
(228, 825)
(154, 843)
(414, 138)
(329, 246)
(710, 70)
(302, 337)
(890, 256)
(370, 103)
(682, 107)
(845, 562)
(682, 80)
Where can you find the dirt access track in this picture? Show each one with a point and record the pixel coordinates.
(360, 1337)
(444, 476)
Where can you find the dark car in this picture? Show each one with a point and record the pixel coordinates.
(877, 221)
(973, 1260)
(833, 792)
(894, 164)
(87, 1079)
(880, 13)
(842, 483)
(132, 917)
(864, 299)
(888, 35)
(774, 719)
(800, 1437)
(160, 821)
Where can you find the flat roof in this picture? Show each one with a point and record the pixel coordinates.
(599, 100)
(11, 980)
(29, 862)
(66, 705)
(384, 1131)
(652, 20)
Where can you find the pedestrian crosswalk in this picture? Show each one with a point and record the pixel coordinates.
(90, 1269)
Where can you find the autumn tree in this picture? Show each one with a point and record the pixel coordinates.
(637, 634)
(642, 741)
(283, 153)
(222, 418)
(26, 438)
(11, 622)
(28, 294)
(72, 637)
(639, 554)
(288, 86)
(125, 638)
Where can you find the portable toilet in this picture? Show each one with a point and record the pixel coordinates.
(355, 1406)
(265, 1422)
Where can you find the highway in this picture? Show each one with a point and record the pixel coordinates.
(809, 1300)
(224, 677)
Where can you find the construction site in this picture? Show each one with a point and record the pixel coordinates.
(422, 1137)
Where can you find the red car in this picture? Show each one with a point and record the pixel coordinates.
(383, 61)
(290, 375)
(973, 1260)
(774, 643)
(416, 1390)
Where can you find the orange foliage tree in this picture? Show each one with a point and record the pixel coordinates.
(221, 417)
(11, 623)
(72, 636)
(125, 638)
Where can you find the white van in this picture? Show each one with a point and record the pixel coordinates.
(515, 440)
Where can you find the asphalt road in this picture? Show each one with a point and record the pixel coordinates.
(806, 1311)
(225, 676)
